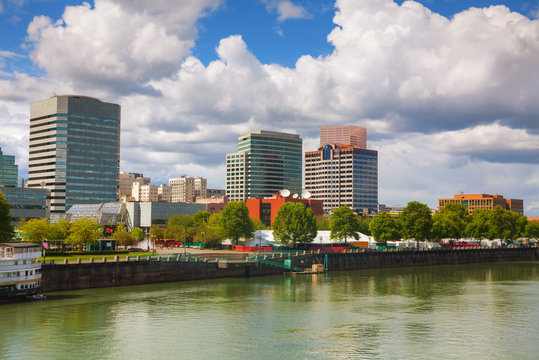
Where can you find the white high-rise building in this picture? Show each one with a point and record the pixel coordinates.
(164, 193)
(142, 192)
(187, 188)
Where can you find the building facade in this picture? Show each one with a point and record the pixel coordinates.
(26, 203)
(144, 192)
(164, 193)
(213, 205)
(146, 214)
(266, 162)
(348, 135)
(483, 201)
(9, 171)
(266, 209)
(74, 150)
(187, 188)
(126, 180)
(343, 175)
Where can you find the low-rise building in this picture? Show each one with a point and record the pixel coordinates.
(483, 201)
(26, 203)
(266, 209)
(213, 205)
(146, 214)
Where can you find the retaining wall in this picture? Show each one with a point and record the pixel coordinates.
(57, 277)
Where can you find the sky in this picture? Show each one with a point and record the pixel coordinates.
(447, 89)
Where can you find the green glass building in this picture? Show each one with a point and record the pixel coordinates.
(266, 162)
(9, 171)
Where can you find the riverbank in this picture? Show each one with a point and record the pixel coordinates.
(70, 276)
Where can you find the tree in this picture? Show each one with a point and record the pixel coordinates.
(344, 224)
(384, 227)
(235, 222)
(35, 230)
(450, 222)
(209, 233)
(124, 238)
(532, 230)
(138, 234)
(478, 227)
(201, 217)
(258, 224)
(83, 231)
(364, 225)
(294, 224)
(416, 221)
(157, 232)
(322, 223)
(6, 228)
(504, 224)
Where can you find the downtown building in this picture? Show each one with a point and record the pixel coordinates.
(266, 162)
(74, 150)
(343, 173)
(483, 201)
(187, 188)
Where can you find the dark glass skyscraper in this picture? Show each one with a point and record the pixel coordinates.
(266, 162)
(74, 150)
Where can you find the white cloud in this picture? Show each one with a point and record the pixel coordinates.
(449, 103)
(120, 45)
(286, 9)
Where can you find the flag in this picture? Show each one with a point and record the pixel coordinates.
(45, 244)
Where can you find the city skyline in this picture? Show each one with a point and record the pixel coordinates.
(446, 92)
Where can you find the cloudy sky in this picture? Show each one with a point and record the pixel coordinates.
(447, 89)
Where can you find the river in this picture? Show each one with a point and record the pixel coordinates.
(479, 311)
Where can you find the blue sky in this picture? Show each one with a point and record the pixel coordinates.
(446, 91)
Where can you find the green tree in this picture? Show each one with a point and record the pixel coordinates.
(532, 230)
(83, 231)
(322, 223)
(124, 238)
(201, 217)
(6, 228)
(450, 222)
(35, 230)
(384, 227)
(416, 221)
(478, 227)
(209, 233)
(235, 222)
(138, 234)
(505, 224)
(364, 225)
(157, 232)
(294, 224)
(344, 224)
(258, 224)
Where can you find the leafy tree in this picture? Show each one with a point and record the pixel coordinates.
(450, 222)
(416, 221)
(176, 232)
(157, 232)
(138, 234)
(364, 225)
(60, 230)
(35, 230)
(201, 217)
(235, 222)
(294, 224)
(384, 227)
(209, 233)
(124, 238)
(258, 224)
(532, 230)
(479, 227)
(6, 228)
(504, 224)
(344, 224)
(322, 223)
(83, 231)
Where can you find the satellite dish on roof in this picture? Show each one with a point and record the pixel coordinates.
(285, 193)
(295, 196)
(305, 194)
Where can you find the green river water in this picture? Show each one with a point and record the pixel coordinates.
(480, 311)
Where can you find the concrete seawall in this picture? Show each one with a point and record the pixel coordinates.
(56, 277)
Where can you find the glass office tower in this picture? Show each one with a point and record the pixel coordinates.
(266, 162)
(9, 171)
(74, 150)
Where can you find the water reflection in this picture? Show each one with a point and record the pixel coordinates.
(468, 311)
